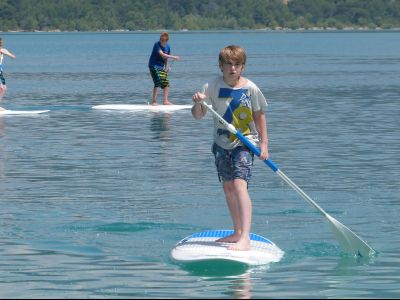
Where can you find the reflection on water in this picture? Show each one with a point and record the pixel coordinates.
(2, 152)
(2, 127)
(160, 127)
(233, 275)
(216, 268)
(241, 287)
(234, 278)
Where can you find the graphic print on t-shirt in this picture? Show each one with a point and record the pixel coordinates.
(239, 112)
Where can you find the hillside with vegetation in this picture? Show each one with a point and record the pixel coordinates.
(94, 15)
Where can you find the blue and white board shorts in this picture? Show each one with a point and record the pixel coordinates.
(233, 164)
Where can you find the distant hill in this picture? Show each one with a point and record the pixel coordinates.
(93, 15)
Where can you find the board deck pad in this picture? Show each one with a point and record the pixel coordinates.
(141, 107)
(202, 246)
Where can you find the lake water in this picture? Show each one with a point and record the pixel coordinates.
(92, 202)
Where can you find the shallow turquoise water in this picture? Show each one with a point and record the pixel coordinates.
(93, 201)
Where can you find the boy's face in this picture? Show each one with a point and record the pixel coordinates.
(232, 69)
(163, 41)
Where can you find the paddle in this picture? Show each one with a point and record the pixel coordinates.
(168, 66)
(347, 239)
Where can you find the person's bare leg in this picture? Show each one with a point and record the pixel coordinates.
(3, 89)
(233, 205)
(166, 94)
(155, 95)
(245, 214)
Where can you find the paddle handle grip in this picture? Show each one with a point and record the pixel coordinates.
(255, 150)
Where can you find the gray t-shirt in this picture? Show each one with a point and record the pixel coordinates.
(236, 106)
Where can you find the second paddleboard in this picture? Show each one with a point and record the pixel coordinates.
(141, 107)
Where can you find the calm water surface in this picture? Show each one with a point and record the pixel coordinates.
(92, 201)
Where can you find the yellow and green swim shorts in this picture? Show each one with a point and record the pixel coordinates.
(160, 77)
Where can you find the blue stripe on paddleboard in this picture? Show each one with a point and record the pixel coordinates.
(224, 233)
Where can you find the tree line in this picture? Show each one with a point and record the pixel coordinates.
(94, 15)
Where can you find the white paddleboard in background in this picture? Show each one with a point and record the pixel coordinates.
(202, 246)
(22, 112)
(141, 107)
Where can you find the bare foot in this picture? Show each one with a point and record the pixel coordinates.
(233, 238)
(167, 103)
(1, 108)
(241, 245)
(154, 104)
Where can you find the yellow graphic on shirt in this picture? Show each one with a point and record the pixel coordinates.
(242, 117)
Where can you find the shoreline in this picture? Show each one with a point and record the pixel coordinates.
(262, 30)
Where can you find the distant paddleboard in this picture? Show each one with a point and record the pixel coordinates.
(141, 107)
(202, 246)
(22, 112)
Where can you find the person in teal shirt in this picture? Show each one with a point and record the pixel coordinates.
(3, 86)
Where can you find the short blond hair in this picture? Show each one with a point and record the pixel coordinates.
(232, 53)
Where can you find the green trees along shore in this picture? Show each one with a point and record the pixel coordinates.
(94, 15)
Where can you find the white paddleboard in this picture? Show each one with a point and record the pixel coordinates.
(202, 246)
(141, 107)
(22, 112)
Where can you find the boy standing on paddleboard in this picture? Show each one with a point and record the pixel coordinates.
(242, 104)
(3, 86)
(158, 65)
